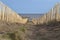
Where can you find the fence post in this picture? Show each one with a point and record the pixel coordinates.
(0, 10)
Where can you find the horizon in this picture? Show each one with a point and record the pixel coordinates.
(31, 6)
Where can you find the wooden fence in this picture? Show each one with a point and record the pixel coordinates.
(53, 14)
(7, 14)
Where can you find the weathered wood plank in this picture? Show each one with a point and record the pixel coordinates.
(7, 14)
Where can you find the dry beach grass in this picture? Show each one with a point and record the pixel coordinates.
(16, 31)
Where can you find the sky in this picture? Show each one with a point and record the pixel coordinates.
(30, 6)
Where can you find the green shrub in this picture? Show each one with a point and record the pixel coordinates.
(22, 29)
(14, 36)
